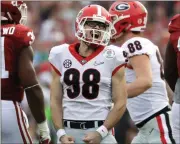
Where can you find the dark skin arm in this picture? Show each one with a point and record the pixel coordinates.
(28, 78)
(170, 66)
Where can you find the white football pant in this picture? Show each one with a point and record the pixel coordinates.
(14, 124)
(176, 122)
(156, 131)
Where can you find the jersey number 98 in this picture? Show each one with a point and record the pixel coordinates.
(90, 88)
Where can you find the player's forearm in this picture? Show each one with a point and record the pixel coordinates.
(119, 97)
(114, 115)
(36, 103)
(137, 87)
(56, 103)
(57, 114)
(170, 93)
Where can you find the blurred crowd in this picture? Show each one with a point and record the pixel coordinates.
(53, 24)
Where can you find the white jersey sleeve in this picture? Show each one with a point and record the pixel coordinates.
(119, 59)
(138, 46)
(55, 57)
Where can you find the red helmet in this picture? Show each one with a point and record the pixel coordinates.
(128, 16)
(14, 11)
(93, 13)
(174, 24)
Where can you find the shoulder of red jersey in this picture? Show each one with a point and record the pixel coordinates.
(139, 46)
(174, 24)
(21, 35)
(175, 40)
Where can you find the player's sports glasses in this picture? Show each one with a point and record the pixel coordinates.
(93, 24)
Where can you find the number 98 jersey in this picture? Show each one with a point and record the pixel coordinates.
(86, 81)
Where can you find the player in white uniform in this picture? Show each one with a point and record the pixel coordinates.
(148, 103)
(87, 77)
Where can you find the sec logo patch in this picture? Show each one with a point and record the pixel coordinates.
(67, 63)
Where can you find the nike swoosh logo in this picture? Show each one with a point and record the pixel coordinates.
(98, 63)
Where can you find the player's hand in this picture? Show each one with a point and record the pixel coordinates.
(92, 138)
(65, 139)
(45, 140)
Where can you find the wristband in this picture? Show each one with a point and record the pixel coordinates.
(102, 130)
(60, 133)
(43, 126)
(43, 129)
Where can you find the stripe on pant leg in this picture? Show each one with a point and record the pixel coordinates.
(159, 121)
(19, 124)
(169, 128)
(27, 133)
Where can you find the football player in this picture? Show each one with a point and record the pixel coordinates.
(87, 77)
(147, 103)
(18, 75)
(172, 72)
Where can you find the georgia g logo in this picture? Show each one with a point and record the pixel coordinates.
(122, 7)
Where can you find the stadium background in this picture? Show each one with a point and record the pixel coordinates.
(53, 24)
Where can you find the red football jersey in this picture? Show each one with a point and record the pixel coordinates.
(13, 39)
(174, 29)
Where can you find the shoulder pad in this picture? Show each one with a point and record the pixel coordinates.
(118, 51)
(58, 49)
(138, 46)
(20, 35)
(24, 35)
(174, 24)
(119, 58)
(55, 56)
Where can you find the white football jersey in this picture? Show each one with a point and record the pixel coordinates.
(86, 81)
(155, 98)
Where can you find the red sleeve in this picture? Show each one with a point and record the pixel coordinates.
(55, 69)
(174, 40)
(23, 35)
(117, 68)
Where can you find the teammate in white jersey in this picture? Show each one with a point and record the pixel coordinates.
(87, 77)
(147, 96)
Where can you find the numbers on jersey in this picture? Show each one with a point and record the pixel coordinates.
(5, 74)
(125, 54)
(178, 46)
(134, 46)
(90, 88)
(31, 35)
(158, 55)
(71, 78)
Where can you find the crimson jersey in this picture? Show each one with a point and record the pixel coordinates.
(174, 29)
(13, 39)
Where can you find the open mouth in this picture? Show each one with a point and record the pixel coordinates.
(95, 34)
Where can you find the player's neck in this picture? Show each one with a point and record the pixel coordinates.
(84, 50)
(125, 37)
